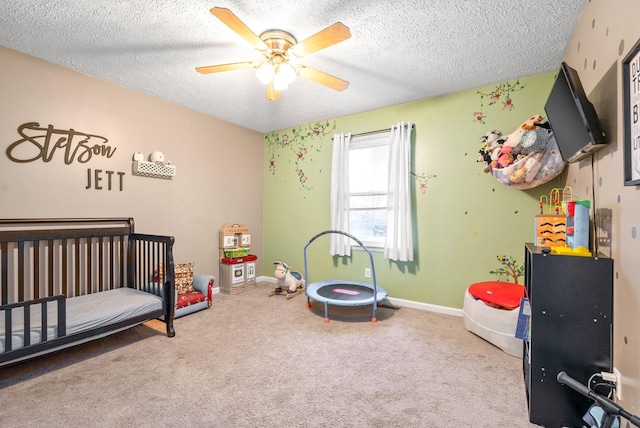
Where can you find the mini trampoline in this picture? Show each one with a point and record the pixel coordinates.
(344, 292)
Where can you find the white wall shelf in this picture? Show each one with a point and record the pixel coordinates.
(154, 170)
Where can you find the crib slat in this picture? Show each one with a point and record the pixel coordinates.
(4, 273)
(8, 328)
(50, 266)
(89, 264)
(139, 247)
(65, 265)
(111, 262)
(155, 257)
(153, 253)
(117, 260)
(62, 318)
(144, 248)
(149, 257)
(122, 269)
(43, 321)
(76, 268)
(21, 270)
(27, 325)
(36, 269)
(116, 267)
(101, 264)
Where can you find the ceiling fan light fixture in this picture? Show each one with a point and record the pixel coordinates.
(279, 84)
(278, 46)
(285, 74)
(265, 73)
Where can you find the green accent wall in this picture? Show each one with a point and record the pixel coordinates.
(464, 217)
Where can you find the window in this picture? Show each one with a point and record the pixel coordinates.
(360, 170)
(368, 187)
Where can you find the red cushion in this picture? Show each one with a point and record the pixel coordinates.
(505, 294)
(191, 298)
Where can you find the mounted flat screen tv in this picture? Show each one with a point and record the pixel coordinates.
(573, 118)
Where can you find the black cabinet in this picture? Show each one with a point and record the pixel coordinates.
(571, 330)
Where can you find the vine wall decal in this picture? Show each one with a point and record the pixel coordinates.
(501, 95)
(422, 180)
(302, 142)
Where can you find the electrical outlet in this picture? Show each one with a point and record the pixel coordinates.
(609, 377)
(618, 376)
(367, 272)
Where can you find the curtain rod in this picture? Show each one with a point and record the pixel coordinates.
(377, 131)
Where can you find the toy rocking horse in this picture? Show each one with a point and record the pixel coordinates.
(290, 283)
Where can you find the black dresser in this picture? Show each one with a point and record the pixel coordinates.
(571, 330)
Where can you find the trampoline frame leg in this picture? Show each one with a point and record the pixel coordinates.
(326, 311)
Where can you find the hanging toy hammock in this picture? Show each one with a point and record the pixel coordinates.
(524, 159)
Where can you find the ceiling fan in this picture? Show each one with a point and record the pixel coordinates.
(278, 48)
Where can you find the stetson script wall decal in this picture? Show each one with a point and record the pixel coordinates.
(40, 143)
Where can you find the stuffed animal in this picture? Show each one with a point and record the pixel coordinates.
(290, 280)
(518, 175)
(490, 149)
(514, 138)
(505, 158)
(500, 151)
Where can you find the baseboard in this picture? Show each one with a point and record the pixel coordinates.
(216, 290)
(426, 307)
(401, 302)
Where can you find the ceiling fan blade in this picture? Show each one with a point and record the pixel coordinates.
(322, 39)
(233, 22)
(323, 78)
(226, 67)
(272, 93)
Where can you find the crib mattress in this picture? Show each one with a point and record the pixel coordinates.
(83, 313)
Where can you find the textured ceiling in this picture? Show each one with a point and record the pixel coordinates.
(399, 51)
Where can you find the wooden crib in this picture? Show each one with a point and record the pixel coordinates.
(68, 281)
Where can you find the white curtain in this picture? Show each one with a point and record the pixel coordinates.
(340, 245)
(399, 243)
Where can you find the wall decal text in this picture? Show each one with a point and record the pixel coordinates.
(97, 178)
(42, 143)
